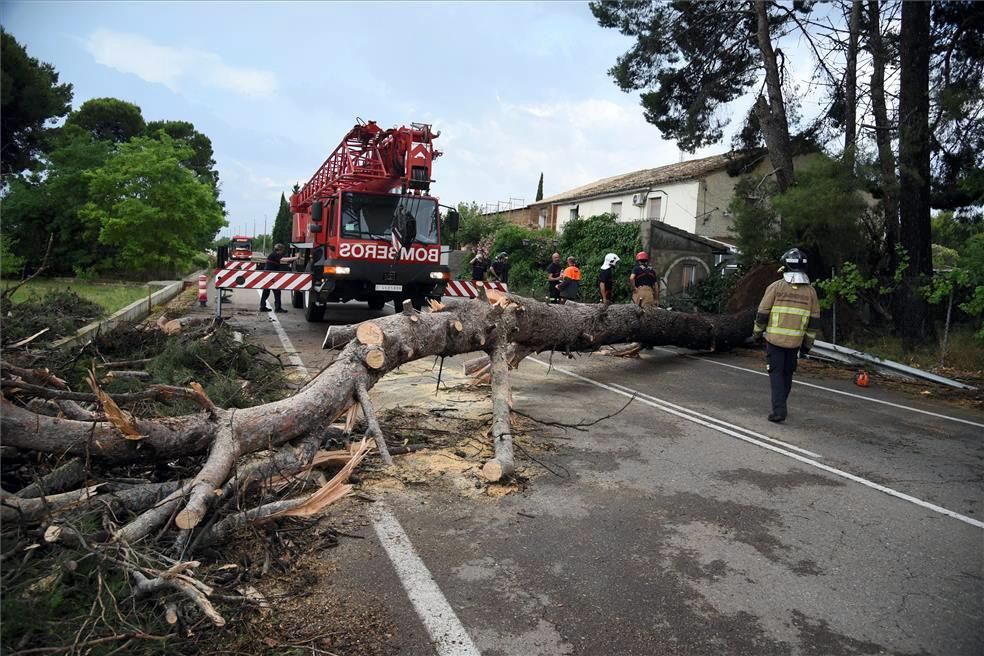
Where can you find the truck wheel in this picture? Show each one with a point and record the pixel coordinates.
(314, 312)
(297, 299)
(418, 302)
(377, 302)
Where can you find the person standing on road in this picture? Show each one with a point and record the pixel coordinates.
(275, 261)
(480, 266)
(606, 279)
(570, 281)
(554, 269)
(644, 282)
(788, 316)
(500, 268)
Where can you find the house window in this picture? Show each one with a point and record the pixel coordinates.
(617, 209)
(655, 211)
(573, 214)
(689, 275)
(543, 218)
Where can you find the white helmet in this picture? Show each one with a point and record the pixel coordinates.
(610, 261)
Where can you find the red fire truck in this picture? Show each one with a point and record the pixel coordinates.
(366, 225)
(241, 248)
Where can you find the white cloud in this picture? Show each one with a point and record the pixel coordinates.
(501, 153)
(175, 66)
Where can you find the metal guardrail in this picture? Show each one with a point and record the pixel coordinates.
(828, 351)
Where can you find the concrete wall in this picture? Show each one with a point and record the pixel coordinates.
(678, 206)
(671, 253)
(136, 311)
(717, 190)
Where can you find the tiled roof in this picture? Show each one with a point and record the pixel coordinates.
(646, 178)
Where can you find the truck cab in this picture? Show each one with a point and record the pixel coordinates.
(355, 255)
(241, 248)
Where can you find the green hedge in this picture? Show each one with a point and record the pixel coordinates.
(589, 240)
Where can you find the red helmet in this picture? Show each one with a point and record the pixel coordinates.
(641, 256)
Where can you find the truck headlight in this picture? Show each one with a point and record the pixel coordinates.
(337, 270)
(441, 275)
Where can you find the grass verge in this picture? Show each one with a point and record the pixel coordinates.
(110, 296)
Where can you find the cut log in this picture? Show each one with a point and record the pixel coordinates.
(620, 350)
(375, 358)
(471, 367)
(369, 333)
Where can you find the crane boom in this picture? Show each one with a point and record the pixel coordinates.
(374, 160)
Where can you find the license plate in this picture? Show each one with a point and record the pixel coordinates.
(389, 288)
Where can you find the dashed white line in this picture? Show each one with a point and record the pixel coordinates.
(789, 454)
(830, 389)
(447, 633)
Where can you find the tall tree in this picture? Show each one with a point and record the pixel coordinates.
(151, 207)
(282, 224)
(41, 205)
(108, 119)
(957, 103)
(772, 112)
(539, 189)
(851, 85)
(691, 58)
(883, 134)
(202, 160)
(30, 97)
(914, 169)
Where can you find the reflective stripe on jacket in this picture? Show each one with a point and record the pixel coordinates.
(789, 315)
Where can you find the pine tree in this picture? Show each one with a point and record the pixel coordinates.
(282, 225)
(539, 189)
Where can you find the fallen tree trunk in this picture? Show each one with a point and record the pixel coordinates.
(505, 327)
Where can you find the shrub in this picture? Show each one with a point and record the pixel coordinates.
(529, 254)
(589, 240)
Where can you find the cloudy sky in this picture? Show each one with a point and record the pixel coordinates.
(515, 88)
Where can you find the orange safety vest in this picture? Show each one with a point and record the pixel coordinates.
(572, 273)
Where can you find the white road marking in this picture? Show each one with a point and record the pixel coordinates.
(445, 629)
(830, 389)
(725, 424)
(447, 634)
(795, 456)
(291, 352)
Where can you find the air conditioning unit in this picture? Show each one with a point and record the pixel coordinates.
(639, 199)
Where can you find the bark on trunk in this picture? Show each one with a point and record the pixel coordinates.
(883, 136)
(515, 326)
(851, 86)
(772, 112)
(914, 168)
(502, 464)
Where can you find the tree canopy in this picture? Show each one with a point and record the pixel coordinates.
(30, 97)
(150, 207)
(202, 160)
(108, 119)
(282, 224)
(689, 59)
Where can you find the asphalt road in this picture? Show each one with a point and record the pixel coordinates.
(854, 528)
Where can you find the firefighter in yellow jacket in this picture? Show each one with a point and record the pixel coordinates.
(788, 315)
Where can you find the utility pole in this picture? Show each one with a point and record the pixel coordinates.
(264, 231)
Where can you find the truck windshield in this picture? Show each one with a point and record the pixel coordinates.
(239, 244)
(371, 217)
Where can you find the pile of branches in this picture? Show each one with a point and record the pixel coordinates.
(57, 314)
(248, 459)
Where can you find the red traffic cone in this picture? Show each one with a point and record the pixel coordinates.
(861, 380)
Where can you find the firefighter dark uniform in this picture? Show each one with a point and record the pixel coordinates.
(788, 316)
